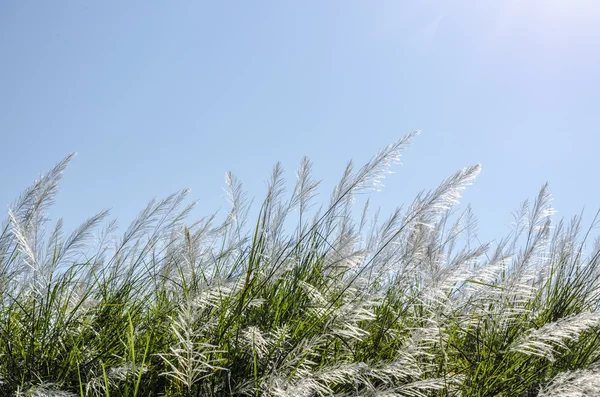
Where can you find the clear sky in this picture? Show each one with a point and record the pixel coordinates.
(156, 96)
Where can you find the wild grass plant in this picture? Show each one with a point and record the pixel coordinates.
(339, 305)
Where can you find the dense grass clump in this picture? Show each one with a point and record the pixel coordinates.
(340, 305)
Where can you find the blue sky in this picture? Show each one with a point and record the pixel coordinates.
(159, 96)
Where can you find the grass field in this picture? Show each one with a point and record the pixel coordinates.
(342, 304)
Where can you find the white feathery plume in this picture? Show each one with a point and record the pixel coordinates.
(305, 188)
(189, 361)
(578, 383)
(44, 390)
(419, 388)
(544, 341)
(255, 341)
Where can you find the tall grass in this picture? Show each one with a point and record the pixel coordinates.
(339, 305)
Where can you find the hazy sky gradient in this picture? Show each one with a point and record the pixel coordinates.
(159, 96)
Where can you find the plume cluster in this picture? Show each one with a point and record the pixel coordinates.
(340, 303)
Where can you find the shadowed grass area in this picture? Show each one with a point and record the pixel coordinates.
(340, 305)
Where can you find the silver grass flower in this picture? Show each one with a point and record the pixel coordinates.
(578, 383)
(44, 390)
(546, 340)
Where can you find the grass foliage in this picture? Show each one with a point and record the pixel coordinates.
(341, 304)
